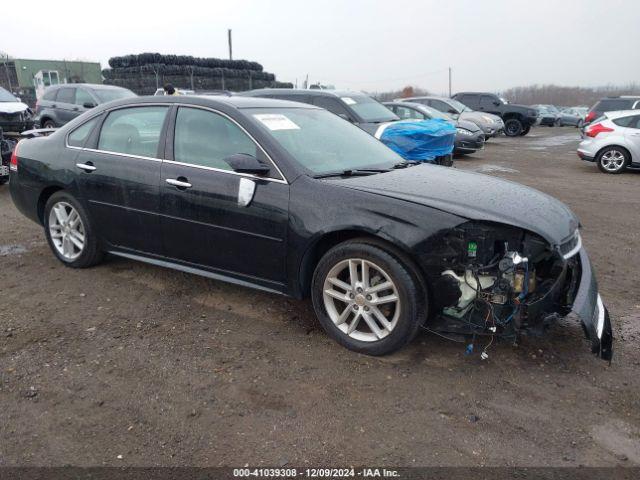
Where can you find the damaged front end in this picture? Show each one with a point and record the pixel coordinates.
(497, 280)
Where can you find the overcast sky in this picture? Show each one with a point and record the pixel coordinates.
(355, 44)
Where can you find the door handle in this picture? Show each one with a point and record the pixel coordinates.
(86, 167)
(179, 182)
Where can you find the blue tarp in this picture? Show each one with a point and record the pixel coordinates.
(422, 140)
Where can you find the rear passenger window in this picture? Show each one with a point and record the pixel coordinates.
(623, 122)
(205, 138)
(133, 131)
(79, 136)
(66, 95)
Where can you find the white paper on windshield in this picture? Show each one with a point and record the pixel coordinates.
(348, 100)
(276, 121)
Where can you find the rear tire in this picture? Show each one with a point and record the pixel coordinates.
(347, 288)
(613, 160)
(48, 123)
(513, 127)
(69, 232)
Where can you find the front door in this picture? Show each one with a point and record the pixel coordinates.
(119, 178)
(206, 220)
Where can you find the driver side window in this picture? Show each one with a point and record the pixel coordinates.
(205, 139)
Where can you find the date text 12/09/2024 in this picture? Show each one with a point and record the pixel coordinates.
(315, 473)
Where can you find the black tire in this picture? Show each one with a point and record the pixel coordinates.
(48, 123)
(558, 122)
(411, 294)
(526, 130)
(91, 253)
(613, 150)
(513, 127)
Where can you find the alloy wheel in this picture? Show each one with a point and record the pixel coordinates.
(67, 231)
(612, 160)
(361, 300)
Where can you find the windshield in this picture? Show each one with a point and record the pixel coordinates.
(323, 142)
(433, 113)
(369, 109)
(5, 96)
(461, 107)
(108, 94)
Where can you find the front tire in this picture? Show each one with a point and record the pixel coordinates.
(48, 123)
(513, 127)
(525, 131)
(367, 299)
(613, 160)
(69, 232)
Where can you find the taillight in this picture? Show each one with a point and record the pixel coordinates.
(13, 163)
(594, 130)
(591, 116)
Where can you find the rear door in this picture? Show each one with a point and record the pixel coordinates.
(66, 108)
(205, 223)
(119, 177)
(632, 136)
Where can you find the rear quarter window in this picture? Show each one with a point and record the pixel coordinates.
(79, 136)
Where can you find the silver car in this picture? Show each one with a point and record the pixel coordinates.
(613, 141)
(573, 116)
(490, 124)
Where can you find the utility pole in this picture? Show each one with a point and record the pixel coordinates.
(230, 45)
(6, 69)
(449, 81)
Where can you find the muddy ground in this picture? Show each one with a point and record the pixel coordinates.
(130, 364)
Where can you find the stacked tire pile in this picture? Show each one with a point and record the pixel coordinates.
(146, 72)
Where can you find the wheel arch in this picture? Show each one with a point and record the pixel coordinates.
(328, 240)
(613, 145)
(44, 197)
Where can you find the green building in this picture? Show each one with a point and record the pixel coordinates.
(28, 78)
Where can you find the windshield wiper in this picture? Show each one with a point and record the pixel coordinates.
(352, 172)
(405, 164)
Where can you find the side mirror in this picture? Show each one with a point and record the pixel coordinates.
(452, 111)
(244, 163)
(89, 105)
(19, 99)
(496, 103)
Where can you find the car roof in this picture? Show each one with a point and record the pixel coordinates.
(406, 104)
(238, 102)
(295, 91)
(87, 85)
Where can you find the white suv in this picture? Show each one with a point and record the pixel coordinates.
(613, 141)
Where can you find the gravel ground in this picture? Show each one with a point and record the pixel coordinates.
(130, 364)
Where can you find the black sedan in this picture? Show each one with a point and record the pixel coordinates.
(289, 198)
(469, 136)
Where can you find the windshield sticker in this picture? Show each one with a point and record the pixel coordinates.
(276, 121)
(348, 100)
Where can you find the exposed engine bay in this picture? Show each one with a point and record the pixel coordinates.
(502, 281)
